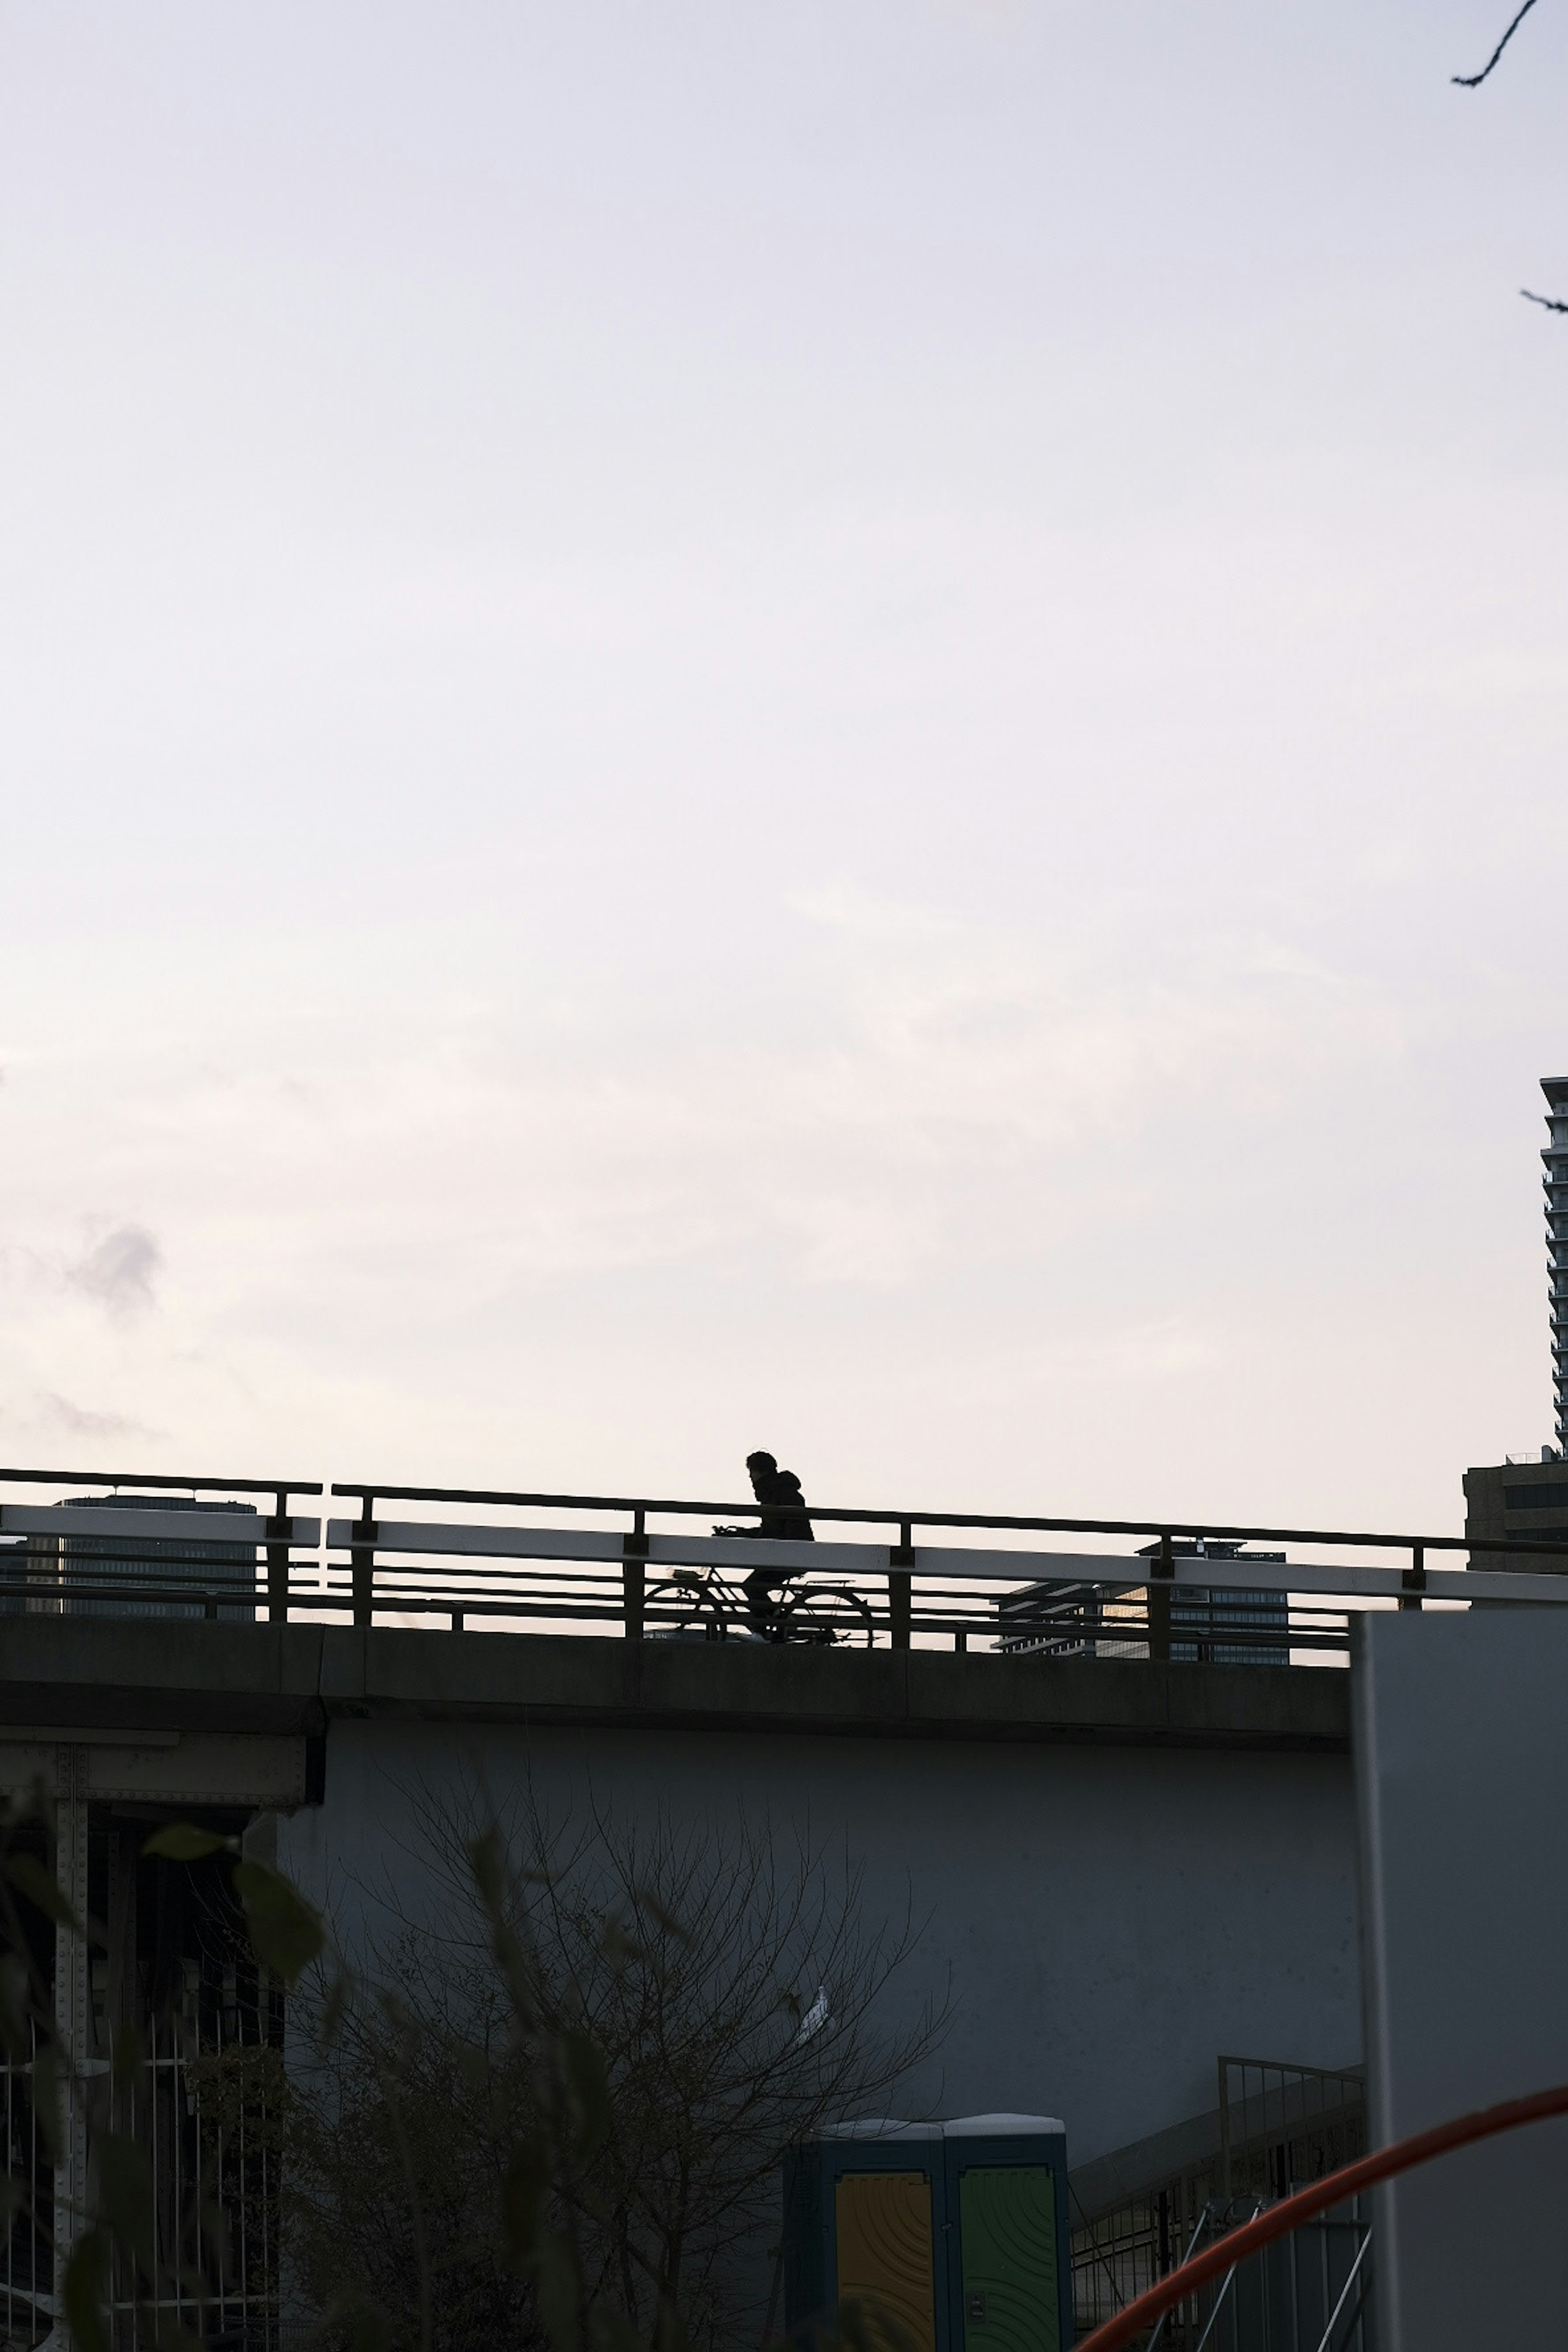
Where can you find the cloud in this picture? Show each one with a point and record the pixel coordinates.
(75, 1420)
(119, 1270)
(935, 1097)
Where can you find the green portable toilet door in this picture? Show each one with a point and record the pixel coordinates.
(1007, 2254)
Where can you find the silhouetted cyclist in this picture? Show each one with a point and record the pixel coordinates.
(783, 1516)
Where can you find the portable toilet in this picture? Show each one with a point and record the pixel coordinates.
(1009, 2250)
(957, 2230)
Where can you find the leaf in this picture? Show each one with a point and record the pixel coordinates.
(172, 2335)
(125, 2192)
(559, 2288)
(216, 2236)
(487, 1863)
(285, 1932)
(355, 2321)
(588, 2080)
(182, 1842)
(86, 2284)
(665, 1921)
(869, 2327)
(29, 1877)
(334, 2009)
(619, 1948)
(524, 2186)
(611, 2331)
(472, 2066)
(669, 2334)
(46, 2110)
(129, 2051)
(13, 2006)
(487, 1859)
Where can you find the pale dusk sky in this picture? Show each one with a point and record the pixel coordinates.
(832, 726)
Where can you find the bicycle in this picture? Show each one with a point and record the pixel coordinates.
(704, 1601)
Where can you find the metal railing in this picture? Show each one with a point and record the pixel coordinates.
(1275, 2126)
(1207, 2268)
(644, 1566)
(1281, 2126)
(1309, 2292)
(202, 2099)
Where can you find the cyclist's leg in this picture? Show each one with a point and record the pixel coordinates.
(761, 1589)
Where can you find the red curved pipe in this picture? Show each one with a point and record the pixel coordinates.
(1333, 2190)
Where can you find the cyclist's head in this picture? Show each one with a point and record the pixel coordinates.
(760, 1466)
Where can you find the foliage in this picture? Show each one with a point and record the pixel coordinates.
(541, 2120)
(116, 2229)
(609, 2035)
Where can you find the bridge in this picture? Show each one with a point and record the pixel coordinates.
(641, 1564)
(1104, 1766)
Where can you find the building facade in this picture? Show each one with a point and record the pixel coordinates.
(1514, 1500)
(1554, 1182)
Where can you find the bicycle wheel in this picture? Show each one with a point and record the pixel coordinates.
(685, 1608)
(828, 1614)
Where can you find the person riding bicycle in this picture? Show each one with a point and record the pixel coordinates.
(783, 1516)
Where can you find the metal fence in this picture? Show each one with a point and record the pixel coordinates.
(203, 2102)
(656, 1569)
(1276, 2127)
(27, 2272)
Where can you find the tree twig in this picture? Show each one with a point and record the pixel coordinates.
(1544, 299)
(1474, 81)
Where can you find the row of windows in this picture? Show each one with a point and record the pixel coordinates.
(1550, 1495)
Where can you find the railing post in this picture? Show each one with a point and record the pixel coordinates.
(634, 1574)
(900, 1586)
(1160, 1584)
(1412, 1583)
(277, 1532)
(361, 1556)
(66, 2127)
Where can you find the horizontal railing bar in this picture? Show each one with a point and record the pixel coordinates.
(490, 1600)
(895, 1515)
(1220, 1613)
(24, 1572)
(143, 1478)
(473, 1605)
(1106, 1570)
(739, 1552)
(480, 1606)
(1302, 1630)
(900, 1516)
(45, 1598)
(73, 1522)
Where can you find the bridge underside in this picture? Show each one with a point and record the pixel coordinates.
(127, 1673)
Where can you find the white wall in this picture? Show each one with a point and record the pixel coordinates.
(1113, 1917)
(1462, 1738)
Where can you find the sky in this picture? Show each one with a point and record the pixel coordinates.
(839, 728)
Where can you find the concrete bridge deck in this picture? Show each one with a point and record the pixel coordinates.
(130, 1673)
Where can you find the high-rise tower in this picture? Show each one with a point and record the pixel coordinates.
(1555, 1184)
(1521, 1496)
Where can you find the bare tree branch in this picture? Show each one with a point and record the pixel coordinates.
(1474, 81)
(1544, 299)
(691, 1955)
